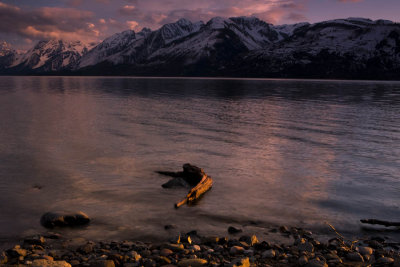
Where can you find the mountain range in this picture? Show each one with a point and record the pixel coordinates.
(352, 48)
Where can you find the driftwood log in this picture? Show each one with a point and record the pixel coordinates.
(193, 176)
(380, 222)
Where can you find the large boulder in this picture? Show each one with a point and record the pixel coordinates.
(56, 219)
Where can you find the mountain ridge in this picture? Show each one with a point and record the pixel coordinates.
(237, 46)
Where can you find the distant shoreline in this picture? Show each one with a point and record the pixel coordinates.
(301, 79)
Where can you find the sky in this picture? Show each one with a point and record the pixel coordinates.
(24, 22)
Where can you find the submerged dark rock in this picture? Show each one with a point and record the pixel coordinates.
(233, 230)
(54, 219)
(190, 176)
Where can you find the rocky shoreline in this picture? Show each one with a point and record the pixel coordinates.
(191, 249)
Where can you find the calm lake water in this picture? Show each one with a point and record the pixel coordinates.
(292, 152)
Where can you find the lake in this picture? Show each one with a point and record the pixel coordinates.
(292, 152)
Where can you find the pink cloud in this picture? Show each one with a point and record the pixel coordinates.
(127, 10)
(133, 25)
(49, 23)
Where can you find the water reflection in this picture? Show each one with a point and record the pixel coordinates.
(298, 152)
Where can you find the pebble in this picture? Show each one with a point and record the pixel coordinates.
(166, 252)
(236, 250)
(196, 248)
(355, 256)
(316, 263)
(35, 240)
(16, 252)
(176, 247)
(165, 260)
(192, 262)
(365, 250)
(385, 260)
(304, 245)
(134, 255)
(248, 252)
(303, 260)
(268, 254)
(47, 263)
(245, 262)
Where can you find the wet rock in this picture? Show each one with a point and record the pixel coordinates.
(86, 249)
(74, 262)
(48, 263)
(17, 252)
(355, 256)
(385, 261)
(53, 219)
(304, 245)
(176, 247)
(169, 226)
(375, 244)
(192, 262)
(102, 263)
(176, 182)
(236, 250)
(245, 262)
(223, 240)
(365, 250)
(149, 263)
(210, 240)
(250, 240)
(53, 236)
(249, 252)
(284, 229)
(164, 260)
(166, 252)
(303, 260)
(196, 248)
(34, 240)
(47, 257)
(3, 258)
(269, 254)
(233, 230)
(316, 263)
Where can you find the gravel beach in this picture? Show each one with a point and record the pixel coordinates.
(232, 248)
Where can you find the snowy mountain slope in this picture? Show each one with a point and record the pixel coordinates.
(220, 38)
(122, 48)
(360, 37)
(109, 48)
(52, 55)
(336, 48)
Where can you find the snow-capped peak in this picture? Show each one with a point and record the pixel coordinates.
(288, 29)
(218, 23)
(181, 28)
(5, 49)
(121, 37)
(55, 54)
